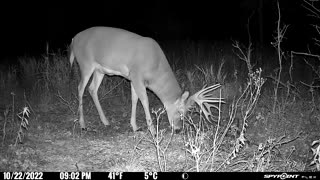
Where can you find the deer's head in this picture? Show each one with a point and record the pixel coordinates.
(203, 98)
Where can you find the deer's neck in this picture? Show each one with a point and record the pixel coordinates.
(166, 87)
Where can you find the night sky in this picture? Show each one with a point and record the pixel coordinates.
(27, 28)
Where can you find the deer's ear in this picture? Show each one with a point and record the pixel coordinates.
(184, 96)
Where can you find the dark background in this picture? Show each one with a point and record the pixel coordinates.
(28, 27)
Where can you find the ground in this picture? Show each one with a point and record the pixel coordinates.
(54, 142)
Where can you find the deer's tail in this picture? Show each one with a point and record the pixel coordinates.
(71, 53)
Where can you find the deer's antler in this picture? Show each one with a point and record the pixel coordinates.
(205, 99)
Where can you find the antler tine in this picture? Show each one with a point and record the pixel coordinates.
(204, 98)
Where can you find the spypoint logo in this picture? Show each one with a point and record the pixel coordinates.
(281, 176)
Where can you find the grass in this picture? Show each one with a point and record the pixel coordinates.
(250, 134)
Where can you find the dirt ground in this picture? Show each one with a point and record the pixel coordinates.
(54, 142)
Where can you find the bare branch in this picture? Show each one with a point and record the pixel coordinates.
(241, 56)
(279, 35)
(315, 12)
(306, 54)
(246, 57)
(310, 86)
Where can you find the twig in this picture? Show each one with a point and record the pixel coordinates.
(295, 92)
(5, 113)
(280, 32)
(105, 94)
(65, 102)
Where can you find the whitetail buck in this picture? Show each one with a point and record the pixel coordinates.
(112, 51)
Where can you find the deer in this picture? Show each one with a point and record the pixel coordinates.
(113, 51)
